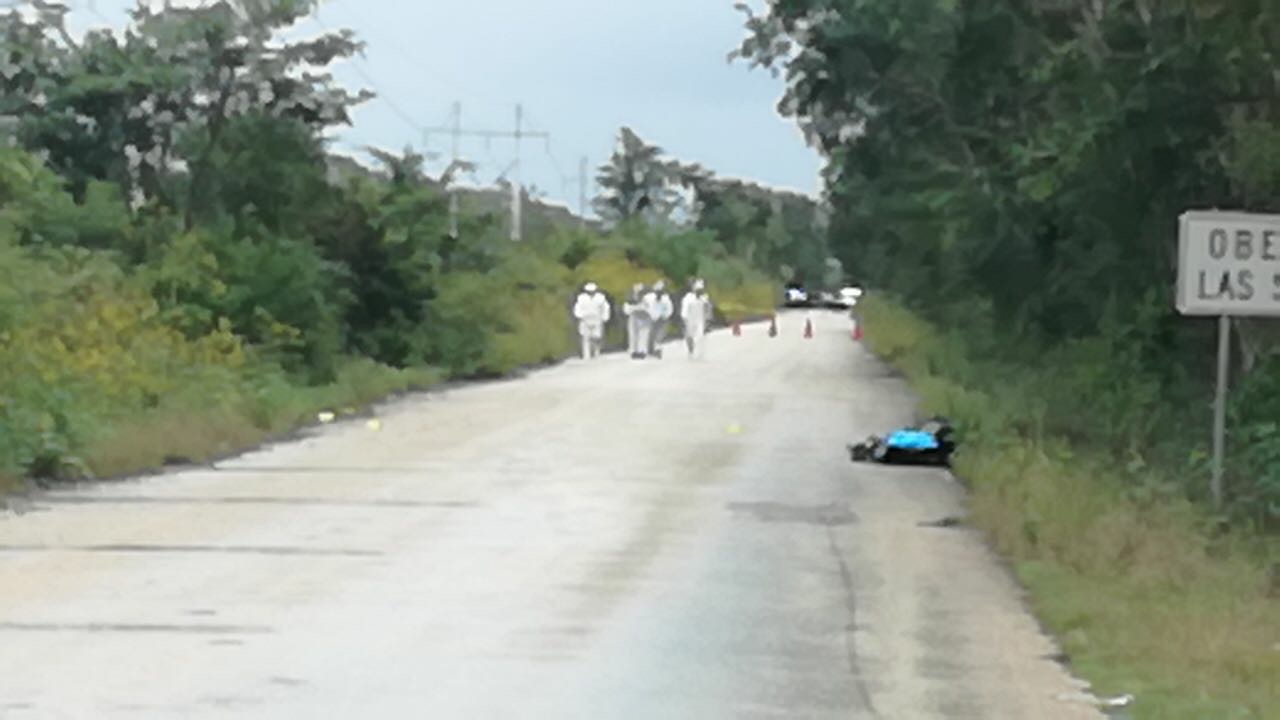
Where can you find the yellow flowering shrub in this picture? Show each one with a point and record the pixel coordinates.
(751, 300)
(81, 346)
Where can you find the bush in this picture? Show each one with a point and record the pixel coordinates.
(1145, 597)
(222, 412)
(84, 345)
(536, 326)
(678, 256)
(461, 322)
(1254, 447)
(279, 295)
(282, 296)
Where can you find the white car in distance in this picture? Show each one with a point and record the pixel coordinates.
(848, 297)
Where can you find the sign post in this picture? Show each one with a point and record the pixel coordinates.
(1220, 409)
(1228, 266)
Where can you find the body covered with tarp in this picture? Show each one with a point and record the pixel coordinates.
(932, 443)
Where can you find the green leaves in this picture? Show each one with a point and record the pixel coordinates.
(145, 107)
(636, 182)
(1251, 157)
(1033, 158)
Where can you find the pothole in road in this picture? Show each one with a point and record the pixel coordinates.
(829, 515)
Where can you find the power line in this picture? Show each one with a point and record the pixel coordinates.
(581, 181)
(567, 180)
(381, 95)
(488, 150)
(385, 98)
(391, 104)
(456, 132)
(387, 40)
(554, 162)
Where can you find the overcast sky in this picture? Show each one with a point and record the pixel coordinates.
(581, 68)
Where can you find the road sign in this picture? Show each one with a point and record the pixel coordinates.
(1229, 264)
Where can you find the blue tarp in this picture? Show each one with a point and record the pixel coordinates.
(912, 440)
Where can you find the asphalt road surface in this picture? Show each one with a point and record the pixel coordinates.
(668, 539)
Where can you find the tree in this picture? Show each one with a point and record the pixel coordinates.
(1013, 146)
(635, 183)
(1025, 163)
(150, 107)
(777, 231)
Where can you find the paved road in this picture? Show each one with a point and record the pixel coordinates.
(615, 540)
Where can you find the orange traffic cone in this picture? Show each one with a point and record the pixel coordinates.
(737, 329)
(773, 326)
(808, 329)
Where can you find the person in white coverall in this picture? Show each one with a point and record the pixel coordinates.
(592, 312)
(639, 322)
(695, 311)
(660, 300)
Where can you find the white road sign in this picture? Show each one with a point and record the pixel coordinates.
(1229, 264)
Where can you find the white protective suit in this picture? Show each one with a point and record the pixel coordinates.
(695, 311)
(639, 323)
(662, 309)
(592, 312)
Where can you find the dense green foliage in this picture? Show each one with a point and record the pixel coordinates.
(1145, 595)
(184, 268)
(1009, 175)
(781, 233)
(1016, 169)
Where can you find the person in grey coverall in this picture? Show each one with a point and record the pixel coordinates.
(639, 323)
(662, 308)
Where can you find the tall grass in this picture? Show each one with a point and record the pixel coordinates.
(98, 381)
(188, 428)
(1144, 593)
(751, 300)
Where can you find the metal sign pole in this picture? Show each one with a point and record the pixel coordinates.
(1227, 264)
(1220, 408)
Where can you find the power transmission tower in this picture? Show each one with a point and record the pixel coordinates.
(457, 132)
(583, 184)
(456, 164)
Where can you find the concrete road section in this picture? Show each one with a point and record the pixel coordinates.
(620, 539)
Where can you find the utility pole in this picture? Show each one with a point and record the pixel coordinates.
(453, 166)
(581, 181)
(457, 132)
(582, 192)
(517, 192)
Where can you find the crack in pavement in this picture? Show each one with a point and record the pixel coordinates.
(831, 514)
(851, 603)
